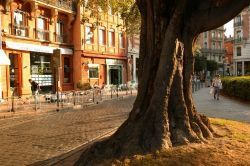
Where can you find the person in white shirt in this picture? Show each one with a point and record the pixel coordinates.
(217, 86)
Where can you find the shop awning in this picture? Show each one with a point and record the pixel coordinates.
(4, 60)
(36, 48)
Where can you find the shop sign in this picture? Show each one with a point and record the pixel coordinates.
(36, 48)
(113, 61)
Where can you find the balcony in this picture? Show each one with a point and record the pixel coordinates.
(239, 40)
(63, 4)
(61, 38)
(42, 34)
(237, 24)
(213, 50)
(19, 30)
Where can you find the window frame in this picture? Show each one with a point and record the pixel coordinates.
(102, 30)
(89, 40)
(93, 66)
(238, 51)
(111, 38)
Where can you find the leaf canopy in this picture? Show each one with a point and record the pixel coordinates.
(127, 10)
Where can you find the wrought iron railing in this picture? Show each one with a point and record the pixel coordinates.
(240, 23)
(42, 34)
(20, 30)
(64, 4)
(61, 38)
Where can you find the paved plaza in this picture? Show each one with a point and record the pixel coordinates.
(39, 138)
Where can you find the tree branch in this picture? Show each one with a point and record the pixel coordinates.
(210, 14)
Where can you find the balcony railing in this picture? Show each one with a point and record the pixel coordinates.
(42, 34)
(61, 38)
(19, 30)
(213, 50)
(217, 38)
(64, 4)
(240, 23)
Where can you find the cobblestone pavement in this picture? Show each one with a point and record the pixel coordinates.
(34, 138)
(29, 139)
(224, 108)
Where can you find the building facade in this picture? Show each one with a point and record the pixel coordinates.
(241, 51)
(229, 44)
(133, 57)
(212, 46)
(31, 31)
(100, 48)
(91, 51)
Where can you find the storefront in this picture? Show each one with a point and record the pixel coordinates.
(34, 61)
(41, 70)
(115, 71)
(242, 68)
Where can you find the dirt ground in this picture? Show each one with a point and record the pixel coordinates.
(230, 148)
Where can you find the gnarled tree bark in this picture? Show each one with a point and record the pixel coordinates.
(163, 114)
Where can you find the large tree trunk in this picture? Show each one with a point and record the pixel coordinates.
(163, 114)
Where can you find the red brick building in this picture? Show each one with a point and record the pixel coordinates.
(228, 44)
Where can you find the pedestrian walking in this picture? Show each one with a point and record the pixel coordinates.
(217, 85)
(34, 90)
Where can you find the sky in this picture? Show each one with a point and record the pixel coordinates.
(229, 28)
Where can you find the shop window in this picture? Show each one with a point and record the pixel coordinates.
(20, 23)
(102, 36)
(238, 51)
(111, 38)
(66, 70)
(41, 71)
(89, 35)
(93, 72)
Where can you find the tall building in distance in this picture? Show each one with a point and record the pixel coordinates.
(241, 50)
(229, 45)
(212, 46)
(133, 56)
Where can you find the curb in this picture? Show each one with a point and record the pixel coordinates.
(77, 149)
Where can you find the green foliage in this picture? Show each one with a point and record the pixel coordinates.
(212, 65)
(237, 87)
(83, 86)
(126, 8)
(200, 63)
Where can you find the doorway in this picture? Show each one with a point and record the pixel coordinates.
(15, 73)
(115, 75)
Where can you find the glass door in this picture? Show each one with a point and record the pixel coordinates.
(15, 73)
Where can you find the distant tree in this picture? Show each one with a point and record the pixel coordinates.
(127, 9)
(200, 63)
(212, 65)
(164, 114)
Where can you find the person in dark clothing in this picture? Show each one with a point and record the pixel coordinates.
(34, 89)
(34, 86)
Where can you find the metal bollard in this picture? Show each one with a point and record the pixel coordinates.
(111, 89)
(101, 94)
(61, 100)
(74, 99)
(117, 91)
